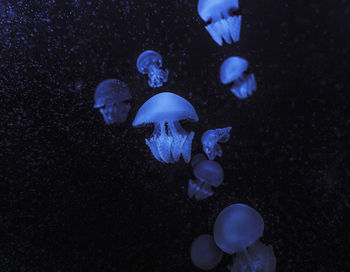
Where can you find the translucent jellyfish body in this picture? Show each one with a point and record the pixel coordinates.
(209, 174)
(236, 231)
(204, 252)
(232, 71)
(150, 63)
(112, 99)
(221, 24)
(169, 140)
(211, 138)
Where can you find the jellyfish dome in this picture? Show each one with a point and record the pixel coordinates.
(150, 63)
(220, 23)
(237, 227)
(169, 140)
(209, 174)
(112, 99)
(232, 71)
(197, 158)
(210, 140)
(204, 252)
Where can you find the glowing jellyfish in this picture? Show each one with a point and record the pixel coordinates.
(209, 174)
(221, 23)
(197, 158)
(232, 71)
(169, 140)
(204, 252)
(210, 140)
(236, 231)
(112, 99)
(150, 62)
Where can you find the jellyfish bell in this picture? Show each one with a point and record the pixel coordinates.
(150, 62)
(204, 252)
(209, 174)
(197, 158)
(237, 227)
(169, 140)
(112, 100)
(221, 25)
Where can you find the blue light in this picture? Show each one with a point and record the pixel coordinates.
(209, 174)
(222, 26)
(111, 98)
(204, 252)
(210, 140)
(150, 62)
(232, 71)
(169, 140)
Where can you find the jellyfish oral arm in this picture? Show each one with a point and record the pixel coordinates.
(228, 30)
(157, 76)
(199, 190)
(244, 86)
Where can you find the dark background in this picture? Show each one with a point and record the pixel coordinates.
(77, 195)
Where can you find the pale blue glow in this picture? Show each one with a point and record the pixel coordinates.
(232, 71)
(209, 174)
(150, 62)
(257, 258)
(169, 140)
(237, 227)
(210, 140)
(222, 26)
(111, 98)
(204, 252)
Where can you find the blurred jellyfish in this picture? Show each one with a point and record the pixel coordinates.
(210, 140)
(204, 252)
(208, 174)
(221, 24)
(169, 140)
(232, 71)
(150, 62)
(197, 159)
(236, 231)
(112, 99)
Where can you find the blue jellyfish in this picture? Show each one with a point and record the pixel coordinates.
(221, 25)
(169, 140)
(197, 158)
(150, 62)
(232, 71)
(112, 99)
(236, 231)
(211, 138)
(204, 252)
(208, 174)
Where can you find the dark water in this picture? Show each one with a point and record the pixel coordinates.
(77, 195)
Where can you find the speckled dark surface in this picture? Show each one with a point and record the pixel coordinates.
(77, 195)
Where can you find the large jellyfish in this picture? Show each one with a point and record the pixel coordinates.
(209, 174)
(236, 231)
(150, 62)
(222, 24)
(211, 138)
(204, 252)
(169, 140)
(232, 71)
(112, 99)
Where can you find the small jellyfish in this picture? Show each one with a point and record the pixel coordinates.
(169, 140)
(197, 158)
(150, 62)
(211, 138)
(208, 174)
(236, 231)
(221, 24)
(232, 71)
(204, 252)
(112, 99)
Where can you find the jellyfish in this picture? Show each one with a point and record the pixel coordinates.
(232, 71)
(211, 138)
(204, 252)
(112, 99)
(150, 62)
(209, 174)
(169, 140)
(197, 158)
(221, 24)
(236, 231)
